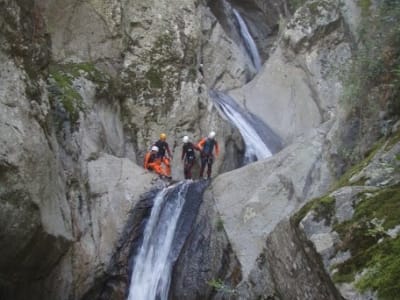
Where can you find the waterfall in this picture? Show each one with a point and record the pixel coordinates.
(151, 273)
(172, 216)
(255, 133)
(248, 41)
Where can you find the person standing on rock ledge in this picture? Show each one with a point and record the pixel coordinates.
(163, 149)
(189, 156)
(207, 146)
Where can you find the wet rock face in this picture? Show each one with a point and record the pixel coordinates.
(207, 264)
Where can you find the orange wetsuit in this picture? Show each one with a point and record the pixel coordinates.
(153, 162)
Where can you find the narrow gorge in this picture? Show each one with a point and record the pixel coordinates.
(304, 199)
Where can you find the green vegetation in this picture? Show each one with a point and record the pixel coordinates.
(62, 89)
(324, 209)
(295, 4)
(154, 78)
(355, 169)
(365, 6)
(373, 216)
(219, 224)
(220, 286)
(383, 273)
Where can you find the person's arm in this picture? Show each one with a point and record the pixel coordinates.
(183, 152)
(196, 147)
(200, 145)
(216, 149)
(168, 151)
(146, 160)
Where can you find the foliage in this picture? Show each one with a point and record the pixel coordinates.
(62, 90)
(383, 273)
(295, 4)
(371, 249)
(219, 224)
(220, 286)
(355, 169)
(324, 209)
(154, 78)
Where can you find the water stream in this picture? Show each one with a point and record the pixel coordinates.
(249, 43)
(260, 141)
(172, 217)
(151, 273)
(169, 222)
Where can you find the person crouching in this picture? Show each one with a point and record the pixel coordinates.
(152, 162)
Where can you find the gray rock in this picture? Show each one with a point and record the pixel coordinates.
(251, 204)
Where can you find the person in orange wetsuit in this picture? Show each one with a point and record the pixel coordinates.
(152, 161)
(207, 146)
(163, 150)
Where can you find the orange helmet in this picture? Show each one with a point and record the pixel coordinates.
(163, 136)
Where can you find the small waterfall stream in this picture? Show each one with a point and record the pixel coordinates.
(255, 142)
(172, 216)
(248, 41)
(260, 141)
(151, 274)
(169, 222)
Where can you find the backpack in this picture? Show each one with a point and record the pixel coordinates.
(208, 146)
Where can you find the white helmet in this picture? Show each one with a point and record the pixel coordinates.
(211, 135)
(154, 148)
(185, 139)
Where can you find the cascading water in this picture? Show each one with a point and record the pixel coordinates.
(173, 213)
(255, 133)
(169, 222)
(152, 270)
(259, 139)
(248, 41)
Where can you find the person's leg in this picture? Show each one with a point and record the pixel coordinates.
(185, 169)
(203, 165)
(156, 167)
(209, 166)
(189, 169)
(167, 166)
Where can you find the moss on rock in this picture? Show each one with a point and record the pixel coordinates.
(324, 209)
(372, 249)
(62, 90)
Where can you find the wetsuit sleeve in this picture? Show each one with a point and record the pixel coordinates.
(200, 145)
(146, 160)
(169, 151)
(216, 149)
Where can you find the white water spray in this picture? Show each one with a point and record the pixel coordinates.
(151, 275)
(248, 40)
(256, 149)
